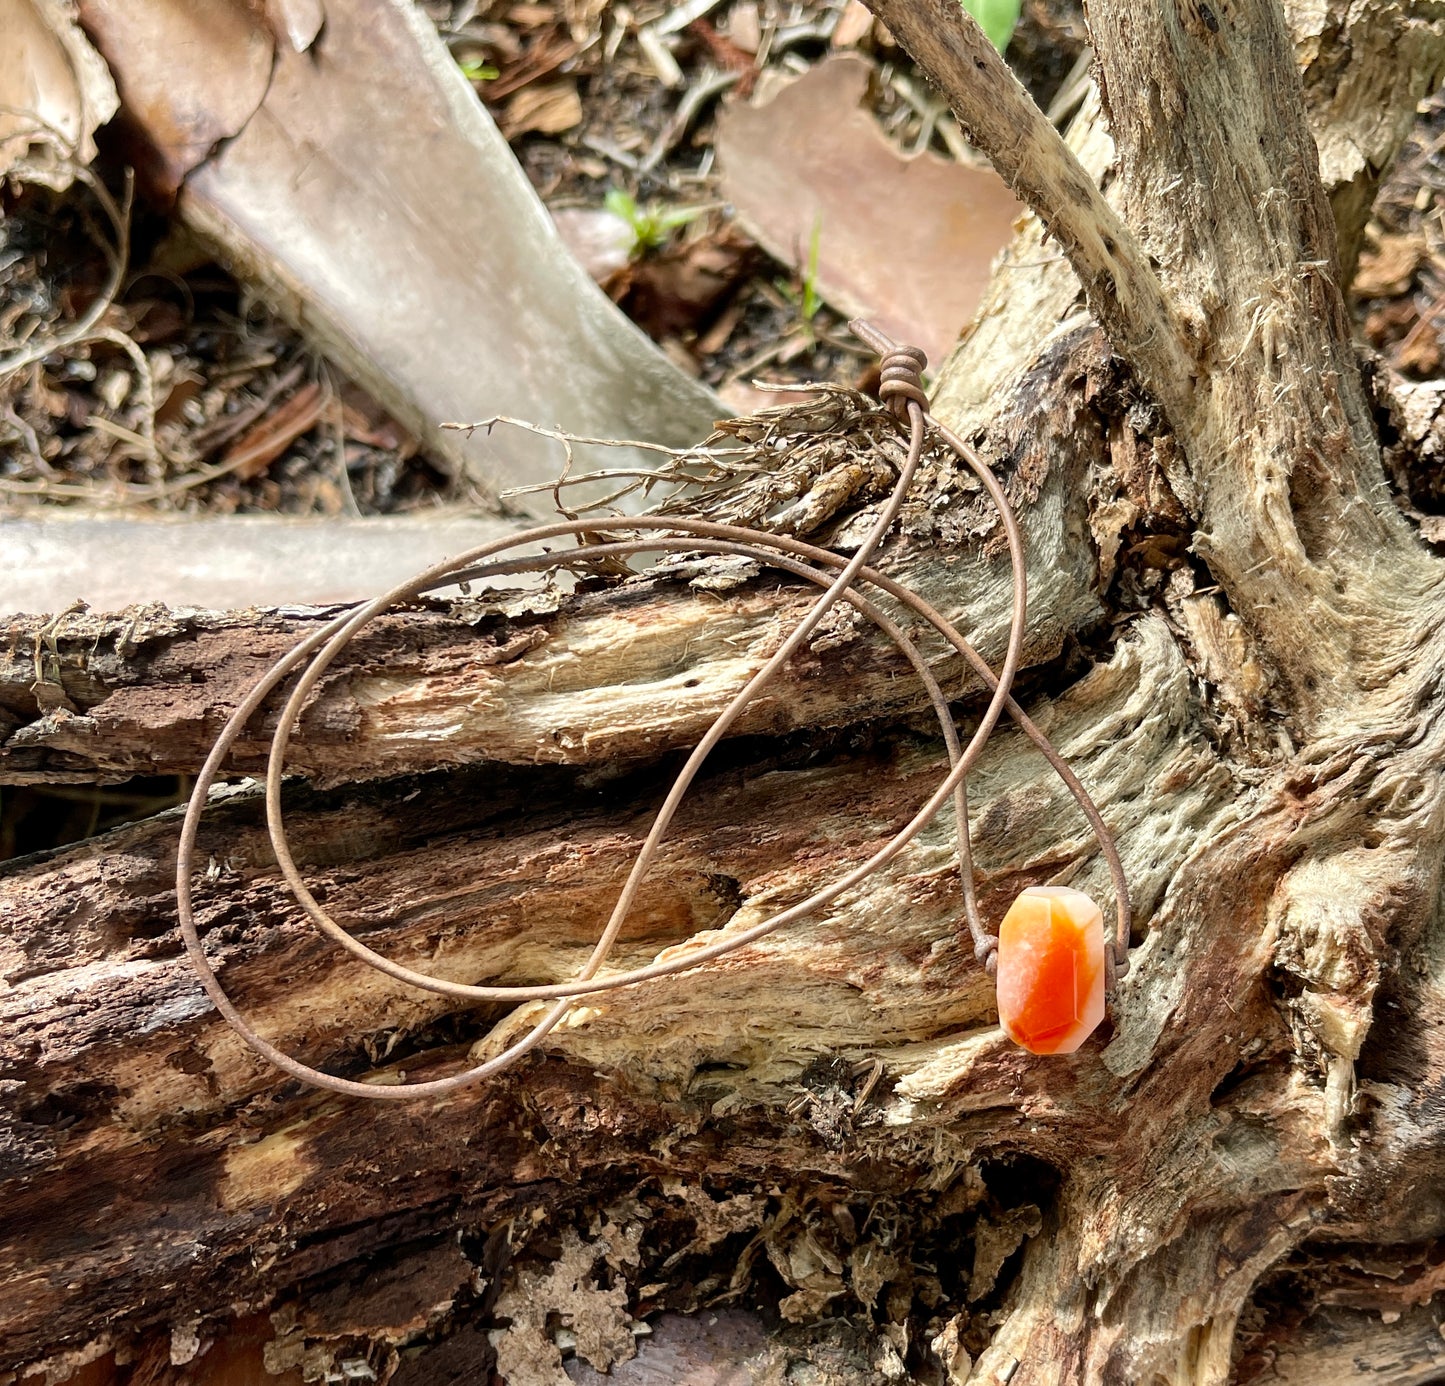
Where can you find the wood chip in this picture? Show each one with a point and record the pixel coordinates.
(1388, 269)
(265, 441)
(745, 26)
(853, 26)
(660, 57)
(547, 110)
(532, 16)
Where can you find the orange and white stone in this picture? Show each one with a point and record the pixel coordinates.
(1050, 975)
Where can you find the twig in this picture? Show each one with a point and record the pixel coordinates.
(146, 384)
(220, 431)
(27, 435)
(1030, 155)
(332, 412)
(705, 89)
(562, 436)
(601, 474)
(680, 16)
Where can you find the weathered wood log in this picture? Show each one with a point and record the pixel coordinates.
(1240, 1179)
(627, 673)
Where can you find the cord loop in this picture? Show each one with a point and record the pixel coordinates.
(902, 389)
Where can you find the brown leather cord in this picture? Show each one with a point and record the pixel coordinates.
(902, 391)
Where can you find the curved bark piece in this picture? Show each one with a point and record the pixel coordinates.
(360, 183)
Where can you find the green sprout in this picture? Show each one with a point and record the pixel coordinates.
(997, 19)
(806, 297)
(475, 70)
(812, 301)
(653, 225)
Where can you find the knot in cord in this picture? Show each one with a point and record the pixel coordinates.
(901, 380)
(985, 951)
(1116, 965)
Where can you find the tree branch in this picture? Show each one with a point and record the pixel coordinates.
(1001, 119)
(1247, 347)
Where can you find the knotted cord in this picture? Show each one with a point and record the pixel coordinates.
(901, 389)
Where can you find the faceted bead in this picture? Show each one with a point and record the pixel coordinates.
(1051, 969)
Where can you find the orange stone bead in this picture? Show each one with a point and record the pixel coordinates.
(1051, 969)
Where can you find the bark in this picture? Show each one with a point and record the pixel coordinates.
(1240, 1180)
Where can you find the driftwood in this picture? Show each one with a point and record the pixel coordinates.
(1235, 639)
(383, 251)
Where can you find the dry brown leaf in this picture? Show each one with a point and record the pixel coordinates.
(547, 110)
(55, 91)
(1388, 269)
(193, 71)
(673, 290)
(906, 242)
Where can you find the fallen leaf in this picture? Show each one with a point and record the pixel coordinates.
(1388, 269)
(675, 290)
(547, 110)
(53, 87)
(906, 242)
(191, 73)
